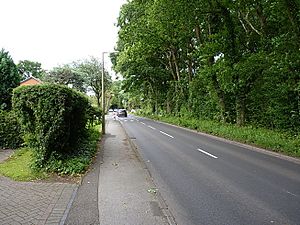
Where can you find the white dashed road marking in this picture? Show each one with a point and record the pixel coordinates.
(152, 128)
(166, 134)
(206, 153)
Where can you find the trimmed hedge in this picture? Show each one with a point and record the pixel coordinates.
(10, 130)
(53, 118)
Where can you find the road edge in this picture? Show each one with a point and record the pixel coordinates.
(246, 146)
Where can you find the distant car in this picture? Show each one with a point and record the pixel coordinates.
(110, 110)
(122, 113)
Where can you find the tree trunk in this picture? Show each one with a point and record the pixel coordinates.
(177, 71)
(98, 101)
(221, 97)
(240, 109)
(190, 69)
(171, 66)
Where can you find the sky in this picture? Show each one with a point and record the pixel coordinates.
(57, 32)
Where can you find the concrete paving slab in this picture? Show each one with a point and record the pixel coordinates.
(124, 184)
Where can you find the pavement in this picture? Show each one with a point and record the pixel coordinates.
(117, 190)
(126, 192)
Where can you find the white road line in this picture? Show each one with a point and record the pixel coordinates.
(131, 120)
(142, 123)
(211, 155)
(166, 134)
(152, 128)
(125, 120)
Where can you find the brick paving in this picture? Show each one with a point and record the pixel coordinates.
(34, 203)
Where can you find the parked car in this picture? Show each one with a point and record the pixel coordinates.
(122, 113)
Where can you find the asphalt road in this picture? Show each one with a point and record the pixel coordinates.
(205, 180)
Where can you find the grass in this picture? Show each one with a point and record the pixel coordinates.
(273, 140)
(18, 166)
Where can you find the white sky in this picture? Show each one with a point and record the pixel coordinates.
(55, 32)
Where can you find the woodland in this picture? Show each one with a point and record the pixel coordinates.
(232, 61)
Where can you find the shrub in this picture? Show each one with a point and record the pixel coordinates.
(93, 115)
(79, 161)
(10, 131)
(53, 118)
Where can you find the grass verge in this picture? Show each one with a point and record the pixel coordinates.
(276, 141)
(18, 167)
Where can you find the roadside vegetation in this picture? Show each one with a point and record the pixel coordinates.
(18, 166)
(275, 140)
(54, 127)
(223, 67)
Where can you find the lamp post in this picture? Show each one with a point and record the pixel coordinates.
(103, 93)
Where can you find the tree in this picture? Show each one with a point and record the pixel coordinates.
(91, 72)
(236, 62)
(66, 75)
(29, 68)
(9, 79)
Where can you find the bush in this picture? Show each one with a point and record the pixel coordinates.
(53, 118)
(93, 115)
(79, 161)
(10, 131)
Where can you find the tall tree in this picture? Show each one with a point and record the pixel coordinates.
(29, 68)
(9, 79)
(91, 72)
(237, 61)
(66, 75)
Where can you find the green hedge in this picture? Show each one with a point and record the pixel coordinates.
(10, 131)
(53, 118)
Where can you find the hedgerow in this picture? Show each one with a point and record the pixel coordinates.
(10, 130)
(53, 119)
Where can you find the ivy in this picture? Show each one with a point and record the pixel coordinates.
(53, 119)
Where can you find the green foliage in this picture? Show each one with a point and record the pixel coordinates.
(29, 68)
(227, 61)
(79, 161)
(10, 130)
(93, 115)
(66, 75)
(91, 72)
(53, 118)
(9, 79)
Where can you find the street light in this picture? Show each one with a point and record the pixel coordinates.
(103, 93)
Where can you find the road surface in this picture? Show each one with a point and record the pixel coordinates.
(205, 180)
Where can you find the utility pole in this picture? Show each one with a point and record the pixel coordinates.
(103, 97)
(103, 92)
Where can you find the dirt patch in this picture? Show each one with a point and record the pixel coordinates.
(55, 178)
